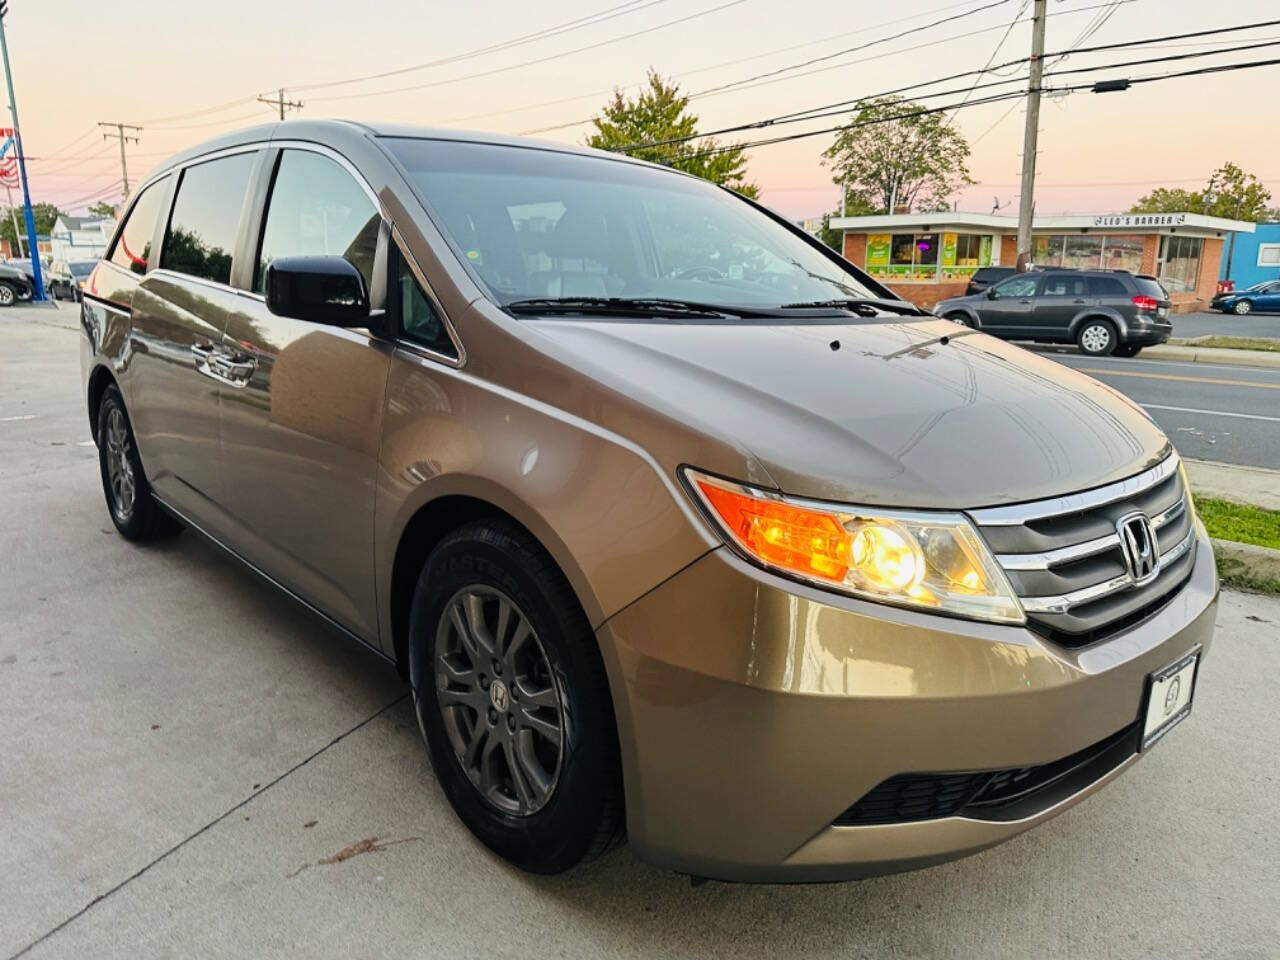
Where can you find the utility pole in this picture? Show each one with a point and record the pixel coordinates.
(281, 102)
(1026, 205)
(32, 248)
(120, 135)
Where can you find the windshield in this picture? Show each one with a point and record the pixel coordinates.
(1258, 287)
(82, 268)
(540, 224)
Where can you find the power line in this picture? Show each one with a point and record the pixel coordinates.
(590, 20)
(830, 109)
(1097, 87)
(734, 88)
(528, 63)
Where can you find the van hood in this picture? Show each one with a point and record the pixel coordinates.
(917, 413)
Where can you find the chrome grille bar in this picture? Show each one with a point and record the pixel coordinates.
(1020, 513)
(1078, 551)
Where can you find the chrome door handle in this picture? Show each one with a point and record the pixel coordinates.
(202, 352)
(236, 368)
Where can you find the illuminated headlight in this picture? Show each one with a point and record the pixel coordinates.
(932, 561)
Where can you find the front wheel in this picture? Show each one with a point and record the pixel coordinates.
(8, 296)
(1097, 338)
(960, 318)
(1242, 307)
(511, 696)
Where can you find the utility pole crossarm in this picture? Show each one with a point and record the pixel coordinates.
(1026, 205)
(116, 131)
(280, 102)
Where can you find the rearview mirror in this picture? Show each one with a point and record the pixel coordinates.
(322, 289)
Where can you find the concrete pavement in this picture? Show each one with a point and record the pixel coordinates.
(185, 749)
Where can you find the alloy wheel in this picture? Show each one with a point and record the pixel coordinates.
(119, 467)
(1095, 338)
(501, 705)
(6, 295)
(1242, 307)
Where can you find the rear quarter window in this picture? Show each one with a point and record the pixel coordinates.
(1150, 288)
(132, 248)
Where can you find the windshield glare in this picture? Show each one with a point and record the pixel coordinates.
(536, 223)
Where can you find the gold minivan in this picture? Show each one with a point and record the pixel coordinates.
(679, 526)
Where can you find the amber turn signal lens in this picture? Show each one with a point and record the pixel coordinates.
(786, 536)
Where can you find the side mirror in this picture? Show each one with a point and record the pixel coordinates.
(991, 293)
(321, 289)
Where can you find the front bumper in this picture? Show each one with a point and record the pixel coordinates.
(753, 711)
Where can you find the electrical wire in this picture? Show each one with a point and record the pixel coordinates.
(590, 20)
(529, 63)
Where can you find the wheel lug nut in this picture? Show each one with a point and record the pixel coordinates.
(497, 668)
(493, 716)
(511, 721)
(484, 682)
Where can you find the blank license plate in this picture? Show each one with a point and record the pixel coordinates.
(1162, 312)
(1169, 693)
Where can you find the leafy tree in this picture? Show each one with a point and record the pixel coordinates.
(660, 113)
(45, 215)
(1167, 200)
(1230, 193)
(893, 152)
(102, 209)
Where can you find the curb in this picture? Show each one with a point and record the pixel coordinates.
(1247, 565)
(1219, 355)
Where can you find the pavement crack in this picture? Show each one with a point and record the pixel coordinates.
(258, 791)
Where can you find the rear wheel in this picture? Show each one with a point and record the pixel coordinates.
(1242, 307)
(512, 699)
(960, 318)
(1128, 350)
(133, 510)
(1097, 338)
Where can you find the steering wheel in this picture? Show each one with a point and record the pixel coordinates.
(703, 272)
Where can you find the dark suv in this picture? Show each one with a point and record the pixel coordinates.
(985, 277)
(1101, 311)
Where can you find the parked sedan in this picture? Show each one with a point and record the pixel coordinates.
(1102, 312)
(67, 278)
(14, 285)
(1263, 296)
(677, 525)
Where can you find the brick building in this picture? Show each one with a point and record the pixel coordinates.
(927, 257)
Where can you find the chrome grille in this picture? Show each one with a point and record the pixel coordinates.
(1064, 556)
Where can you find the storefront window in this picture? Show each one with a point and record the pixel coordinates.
(964, 253)
(1082, 252)
(1180, 263)
(1047, 250)
(916, 256)
(1122, 252)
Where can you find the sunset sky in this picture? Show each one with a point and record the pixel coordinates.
(188, 71)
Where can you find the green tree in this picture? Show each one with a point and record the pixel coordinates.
(1167, 200)
(894, 154)
(102, 209)
(44, 214)
(661, 113)
(1230, 193)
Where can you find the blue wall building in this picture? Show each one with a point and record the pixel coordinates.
(1256, 256)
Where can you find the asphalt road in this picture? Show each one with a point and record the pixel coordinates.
(1227, 325)
(187, 754)
(1211, 412)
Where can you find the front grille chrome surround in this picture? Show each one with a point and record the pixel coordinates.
(1064, 555)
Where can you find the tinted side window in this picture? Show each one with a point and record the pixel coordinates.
(317, 208)
(1023, 286)
(1063, 285)
(206, 215)
(1106, 287)
(133, 248)
(419, 319)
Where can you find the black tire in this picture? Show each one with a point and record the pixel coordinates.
(581, 815)
(137, 516)
(1128, 350)
(1242, 308)
(960, 318)
(1097, 338)
(8, 294)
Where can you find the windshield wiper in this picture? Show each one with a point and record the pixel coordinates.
(632, 306)
(865, 306)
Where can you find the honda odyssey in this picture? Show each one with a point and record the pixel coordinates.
(678, 526)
